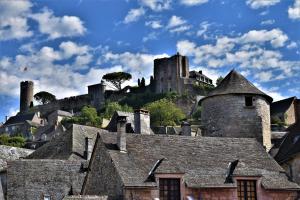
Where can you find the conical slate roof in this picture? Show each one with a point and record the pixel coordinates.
(235, 83)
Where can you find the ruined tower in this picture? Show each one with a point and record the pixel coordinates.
(169, 73)
(97, 93)
(26, 95)
(237, 109)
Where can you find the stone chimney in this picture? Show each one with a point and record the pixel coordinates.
(186, 129)
(121, 133)
(142, 122)
(88, 148)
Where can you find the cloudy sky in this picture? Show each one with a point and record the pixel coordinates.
(63, 46)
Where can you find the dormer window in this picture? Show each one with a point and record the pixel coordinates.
(169, 188)
(248, 101)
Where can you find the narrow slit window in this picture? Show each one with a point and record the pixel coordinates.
(249, 101)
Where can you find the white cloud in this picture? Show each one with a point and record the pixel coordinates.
(156, 5)
(267, 22)
(264, 76)
(275, 36)
(13, 19)
(180, 29)
(193, 2)
(292, 45)
(150, 36)
(70, 48)
(154, 24)
(56, 27)
(255, 4)
(134, 15)
(203, 28)
(294, 11)
(175, 21)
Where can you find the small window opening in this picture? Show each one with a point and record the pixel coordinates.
(47, 197)
(249, 101)
(247, 190)
(170, 89)
(169, 188)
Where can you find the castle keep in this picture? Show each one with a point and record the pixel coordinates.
(172, 75)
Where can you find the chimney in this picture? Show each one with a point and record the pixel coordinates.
(142, 122)
(121, 133)
(200, 72)
(88, 148)
(186, 129)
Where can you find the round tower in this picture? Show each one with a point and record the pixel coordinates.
(26, 95)
(237, 109)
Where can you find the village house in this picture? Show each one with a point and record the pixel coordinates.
(137, 166)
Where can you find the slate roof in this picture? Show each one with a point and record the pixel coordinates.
(8, 153)
(290, 145)
(235, 83)
(281, 106)
(203, 161)
(68, 146)
(20, 118)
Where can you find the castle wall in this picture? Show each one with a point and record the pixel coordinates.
(31, 179)
(227, 116)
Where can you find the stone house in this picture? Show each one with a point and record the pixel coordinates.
(137, 166)
(56, 169)
(24, 124)
(286, 110)
(236, 108)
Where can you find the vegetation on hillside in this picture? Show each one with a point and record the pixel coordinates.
(88, 116)
(164, 113)
(15, 141)
(111, 107)
(219, 80)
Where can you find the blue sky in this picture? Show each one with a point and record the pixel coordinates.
(63, 46)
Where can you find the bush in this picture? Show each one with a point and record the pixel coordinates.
(16, 141)
(111, 107)
(197, 114)
(88, 116)
(164, 113)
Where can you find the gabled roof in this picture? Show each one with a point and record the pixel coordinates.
(112, 126)
(235, 83)
(203, 161)
(290, 145)
(68, 146)
(20, 118)
(8, 153)
(281, 106)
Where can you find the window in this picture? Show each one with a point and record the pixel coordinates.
(246, 189)
(47, 197)
(169, 188)
(249, 101)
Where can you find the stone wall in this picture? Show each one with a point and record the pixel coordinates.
(83, 197)
(103, 178)
(31, 179)
(227, 116)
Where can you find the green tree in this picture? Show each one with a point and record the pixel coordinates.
(117, 78)
(197, 114)
(143, 82)
(219, 80)
(16, 141)
(88, 116)
(44, 97)
(111, 107)
(164, 113)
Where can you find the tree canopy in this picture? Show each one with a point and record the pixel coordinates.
(44, 97)
(164, 113)
(111, 107)
(88, 116)
(219, 80)
(117, 78)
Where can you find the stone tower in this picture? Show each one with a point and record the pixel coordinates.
(97, 93)
(236, 108)
(169, 73)
(26, 95)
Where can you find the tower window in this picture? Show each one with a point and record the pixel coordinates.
(169, 188)
(249, 101)
(47, 197)
(246, 190)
